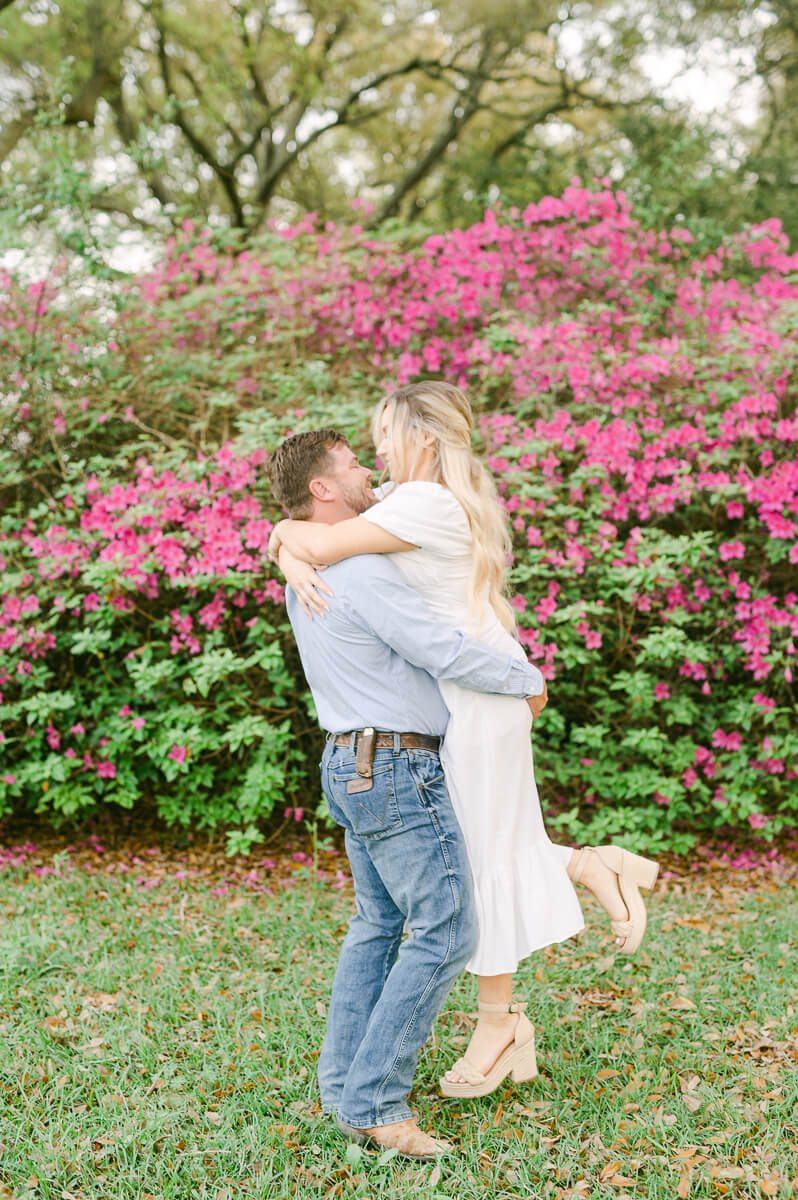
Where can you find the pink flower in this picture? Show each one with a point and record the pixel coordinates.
(124, 711)
(661, 799)
(757, 820)
(9, 779)
(764, 701)
(106, 770)
(726, 741)
(78, 729)
(728, 550)
(662, 691)
(689, 777)
(734, 509)
(91, 601)
(138, 722)
(178, 753)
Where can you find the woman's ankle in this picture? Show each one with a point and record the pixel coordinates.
(491, 1020)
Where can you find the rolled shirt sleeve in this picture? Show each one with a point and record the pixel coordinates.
(396, 614)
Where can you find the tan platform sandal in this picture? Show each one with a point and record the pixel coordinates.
(634, 872)
(518, 1060)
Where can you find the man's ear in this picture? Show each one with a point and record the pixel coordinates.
(319, 490)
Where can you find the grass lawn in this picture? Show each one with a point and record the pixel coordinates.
(158, 1038)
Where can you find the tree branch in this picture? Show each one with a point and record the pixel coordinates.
(424, 165)
(128, 129)
(107, 204)
(221, 170)
(15, 130)
(518, 136)
(468, 105)
(269, 179)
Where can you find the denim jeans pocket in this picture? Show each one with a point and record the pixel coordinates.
(370, 813)
(426, 769)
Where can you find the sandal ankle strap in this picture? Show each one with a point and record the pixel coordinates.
(515, 1006)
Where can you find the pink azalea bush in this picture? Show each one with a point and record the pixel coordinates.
(636, 401)
(146, 612)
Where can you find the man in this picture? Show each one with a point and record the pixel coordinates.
(370, 662)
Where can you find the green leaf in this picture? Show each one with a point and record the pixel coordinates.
(89, 641)
(246, 731)
(353, 1154)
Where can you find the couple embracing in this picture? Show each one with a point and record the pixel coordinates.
(408, 644)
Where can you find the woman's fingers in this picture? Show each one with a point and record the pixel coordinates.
(311, 603)
(317, 604)
(317, 581)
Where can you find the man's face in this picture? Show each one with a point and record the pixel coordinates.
(350, 481)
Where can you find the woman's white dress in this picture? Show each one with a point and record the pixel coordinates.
(525, 899)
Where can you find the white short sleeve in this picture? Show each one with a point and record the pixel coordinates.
(425, 514)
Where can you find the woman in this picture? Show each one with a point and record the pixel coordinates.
(444, 526)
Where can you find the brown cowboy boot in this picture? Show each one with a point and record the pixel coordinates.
(404, 1136)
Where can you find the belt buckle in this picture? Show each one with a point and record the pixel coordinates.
(364, 754)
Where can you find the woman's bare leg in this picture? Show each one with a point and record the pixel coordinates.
(603, 883)
(494, 1031)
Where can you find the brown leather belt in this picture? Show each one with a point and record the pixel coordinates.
(368, 740)
(407, 741)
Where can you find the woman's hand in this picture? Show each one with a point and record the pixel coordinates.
(538, 703)
(275, 542)
(305, 581)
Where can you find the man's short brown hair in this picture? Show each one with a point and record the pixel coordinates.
(295, 462)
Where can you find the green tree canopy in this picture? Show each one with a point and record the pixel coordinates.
(229, 111)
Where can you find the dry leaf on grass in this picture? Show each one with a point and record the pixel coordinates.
(609, 1170)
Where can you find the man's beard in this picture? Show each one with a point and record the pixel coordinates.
(358, 499)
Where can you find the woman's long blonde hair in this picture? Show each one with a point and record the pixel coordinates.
(444, 411)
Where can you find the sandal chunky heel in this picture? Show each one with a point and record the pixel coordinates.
(634, 872)
(518, 1060)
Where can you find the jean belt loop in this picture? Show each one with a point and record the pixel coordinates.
(397, 743)
(353, 741)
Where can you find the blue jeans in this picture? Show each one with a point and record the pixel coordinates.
(409, 863)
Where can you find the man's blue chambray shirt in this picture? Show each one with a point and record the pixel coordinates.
(371, 659)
